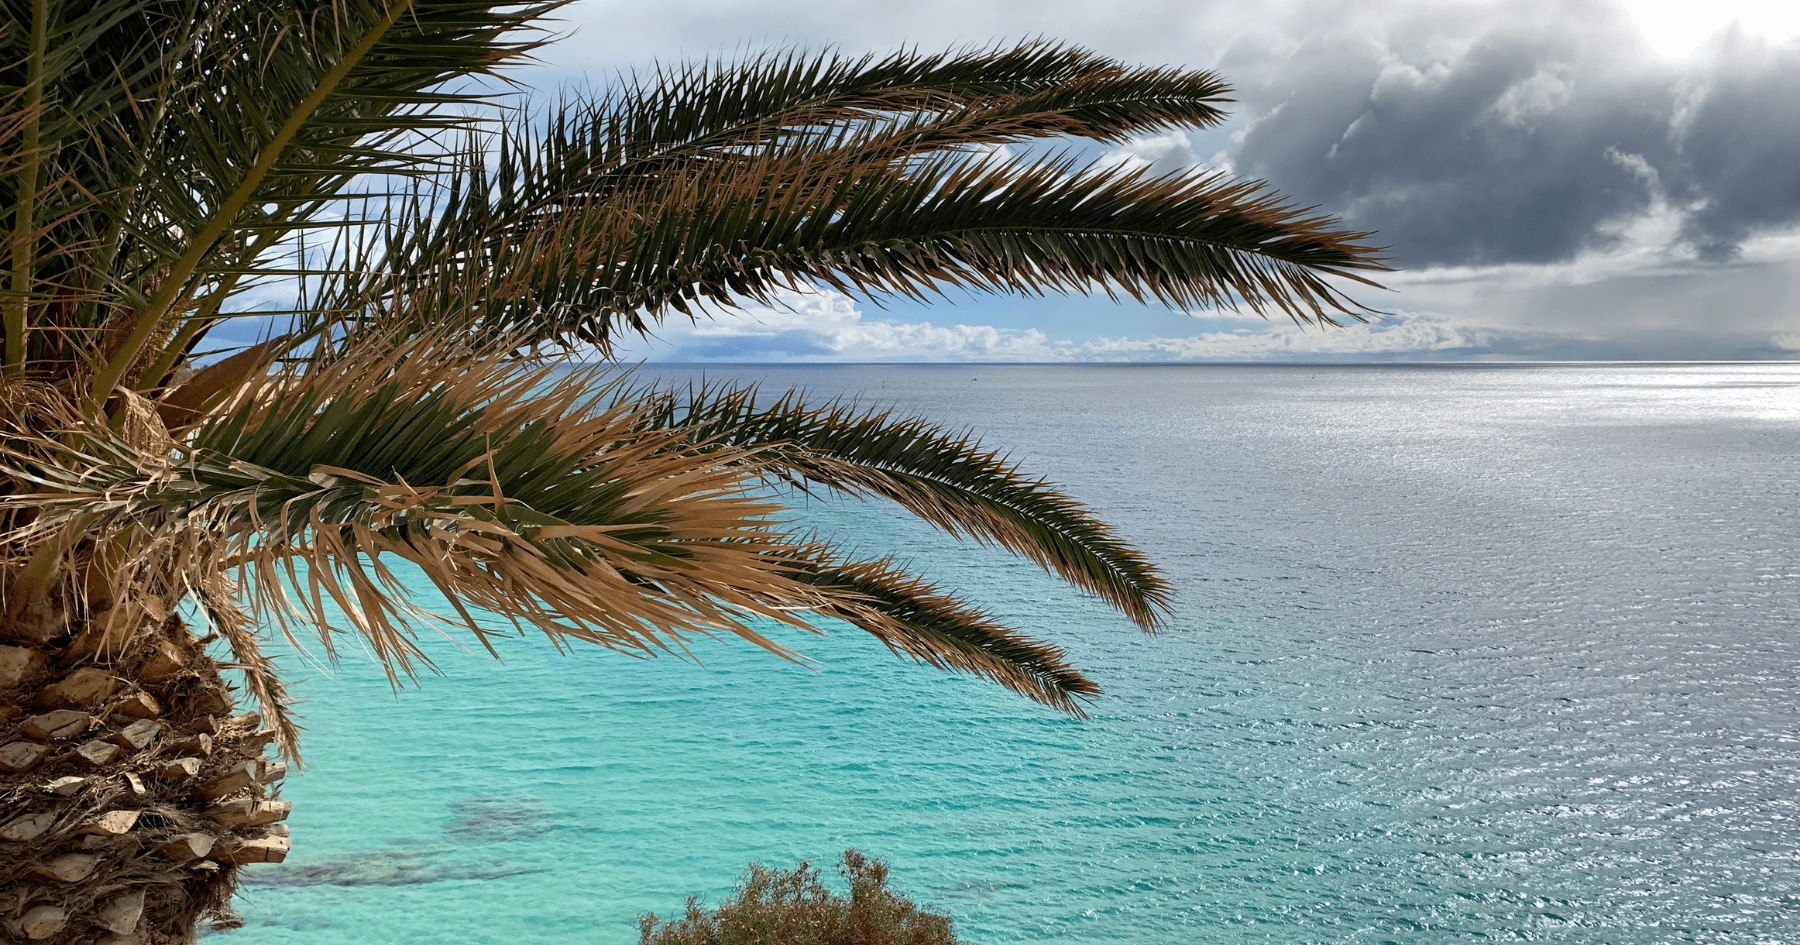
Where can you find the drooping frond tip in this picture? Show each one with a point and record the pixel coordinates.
(912, 617)
(948, 480)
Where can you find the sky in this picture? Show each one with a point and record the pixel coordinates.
(1570, 180)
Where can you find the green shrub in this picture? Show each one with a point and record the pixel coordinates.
(777, 907)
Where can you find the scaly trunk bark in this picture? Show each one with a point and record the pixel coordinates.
(129, 795)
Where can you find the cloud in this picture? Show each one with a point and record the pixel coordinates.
(1407, 337)
(1159, 154)
(1523, 132)
(1739, 129)
(824, 326)
(782, 346)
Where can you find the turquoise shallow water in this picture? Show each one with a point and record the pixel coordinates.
(1460, 654)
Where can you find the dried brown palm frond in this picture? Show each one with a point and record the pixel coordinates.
(537, 495)
(27, 403)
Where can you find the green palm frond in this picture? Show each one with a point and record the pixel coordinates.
(712, 111)
(913, 618)
(155, 180)
(876, 176)
(944, 478)
(1022, 227)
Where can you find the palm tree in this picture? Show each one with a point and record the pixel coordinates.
(170, 166)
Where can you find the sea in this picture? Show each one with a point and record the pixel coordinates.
(1458, 653)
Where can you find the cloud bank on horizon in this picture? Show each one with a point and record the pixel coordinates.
(1554, 184)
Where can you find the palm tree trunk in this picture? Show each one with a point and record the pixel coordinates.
(129, 795)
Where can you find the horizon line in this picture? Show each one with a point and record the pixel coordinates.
(1087, 364)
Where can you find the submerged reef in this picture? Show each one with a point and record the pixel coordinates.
(474, 821)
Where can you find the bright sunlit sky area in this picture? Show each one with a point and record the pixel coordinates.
(1573, 180)
(1678, 29)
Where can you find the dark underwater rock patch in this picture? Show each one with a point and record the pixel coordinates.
(498, 819)
(387, 868)
(474, 820)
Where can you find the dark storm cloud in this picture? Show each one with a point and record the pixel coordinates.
(1525, 135)
(1742, 144)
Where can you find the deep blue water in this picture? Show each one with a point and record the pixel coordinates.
(1460, 653)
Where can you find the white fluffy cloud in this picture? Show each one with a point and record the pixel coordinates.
(825, 326)
(1160, 154)
(1416, 336)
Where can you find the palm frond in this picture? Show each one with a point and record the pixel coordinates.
(551, 499)
(217, 600)
(713, 111)
(154, 173)
(845, 214)
(912, 617)
(513, 490)
(946, 479)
